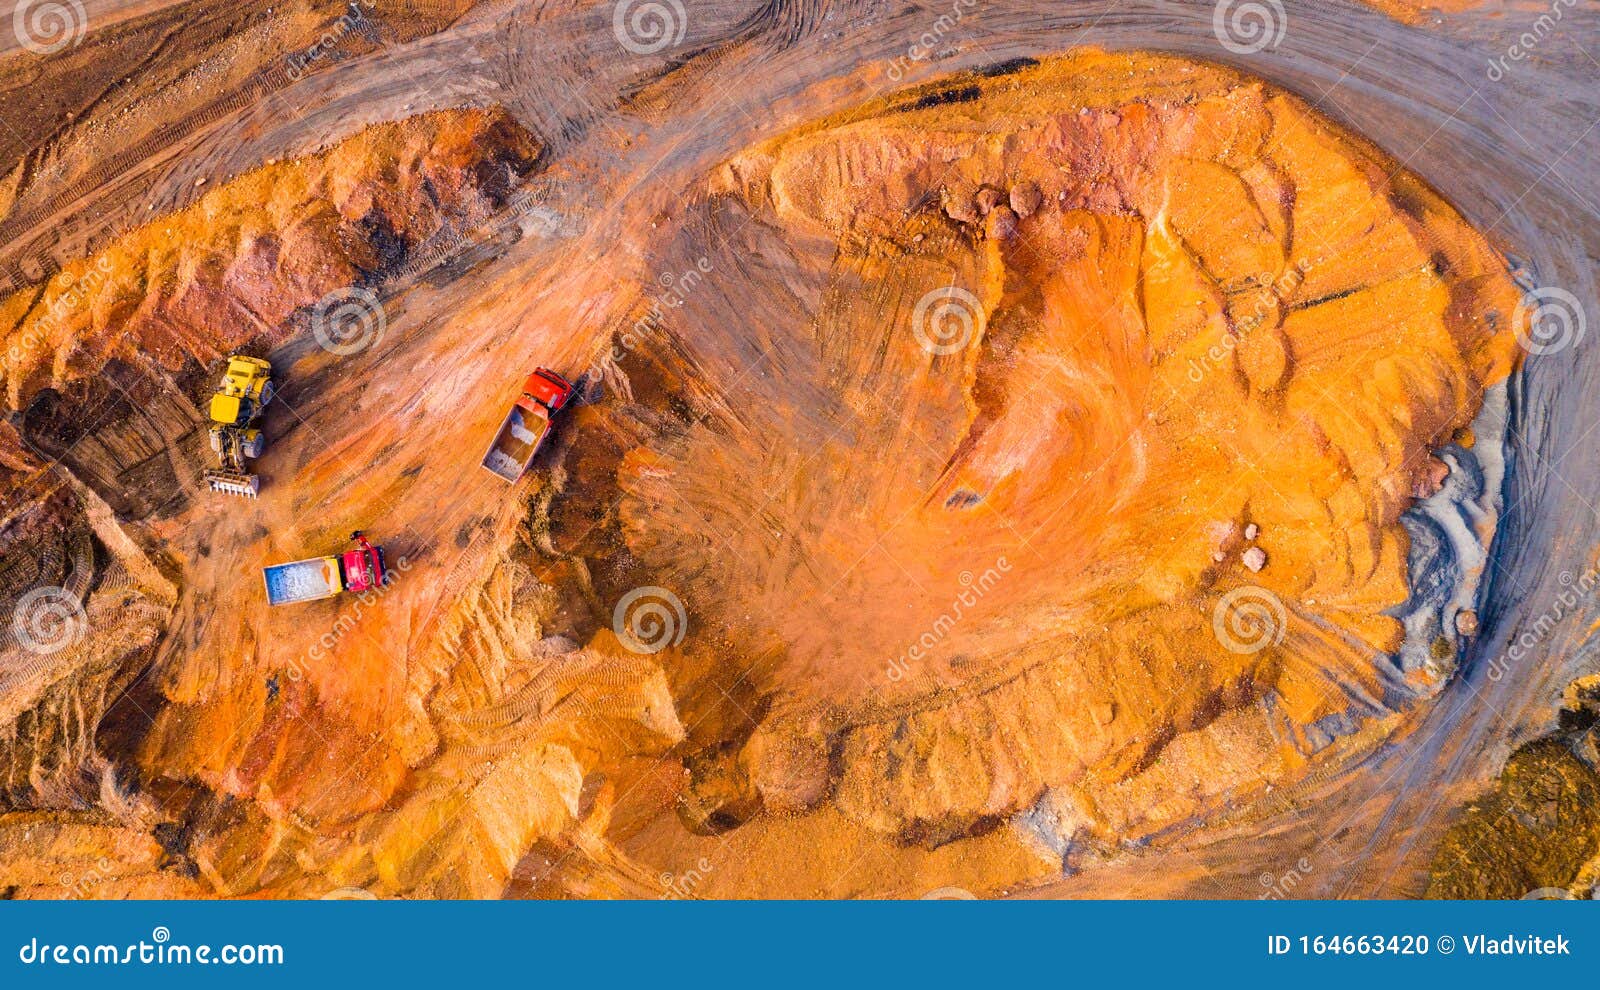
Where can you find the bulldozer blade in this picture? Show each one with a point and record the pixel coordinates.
(247, 485)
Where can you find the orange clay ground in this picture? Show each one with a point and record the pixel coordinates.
(985, 408)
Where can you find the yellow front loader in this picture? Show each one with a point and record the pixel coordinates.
(245, 391)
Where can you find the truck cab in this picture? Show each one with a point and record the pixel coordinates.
(363, 567)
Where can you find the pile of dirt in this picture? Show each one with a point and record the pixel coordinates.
(1053, 497)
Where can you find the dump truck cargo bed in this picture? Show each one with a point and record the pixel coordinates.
(303, 580)
(517, 441)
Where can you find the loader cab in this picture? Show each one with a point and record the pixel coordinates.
(230, 410)
(246, 387)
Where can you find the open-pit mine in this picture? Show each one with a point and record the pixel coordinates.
(837, 448)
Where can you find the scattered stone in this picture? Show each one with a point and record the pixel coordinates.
(200, 181)
(1025, 198)
(789, 766)
(1251, 530)
(987, 199)
(958, 207)
(1431, 479)
(1254, 558)
(1002, 224)
(1467, 622)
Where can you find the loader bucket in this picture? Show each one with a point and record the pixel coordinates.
(247, 485)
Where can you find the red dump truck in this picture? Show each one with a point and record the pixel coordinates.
(526, 426)
(323, 577)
